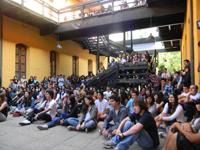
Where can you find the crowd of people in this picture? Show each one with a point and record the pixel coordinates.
(169, 108)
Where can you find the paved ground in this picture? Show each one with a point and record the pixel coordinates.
(15, 137)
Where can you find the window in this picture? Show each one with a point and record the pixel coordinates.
(20, 61)
(90, 66)
(75, 65)
(52, 63)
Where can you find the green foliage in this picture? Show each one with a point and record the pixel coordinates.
(169, 60)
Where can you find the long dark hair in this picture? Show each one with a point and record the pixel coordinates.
(160, 97)
(152, 99)
(2, 98)
(85, 107)
(172, 108)
(72, 101)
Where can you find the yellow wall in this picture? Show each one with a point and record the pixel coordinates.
(196, 16)
(185, 48)
(8, 62)
(38, 52)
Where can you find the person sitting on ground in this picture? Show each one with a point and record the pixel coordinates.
(189, 102)
(102, 107)
(185, 136)
(3, 107)
(159, 102)
(172, 112)
(88, 118)
(70, 109)
(24, 103)
(140, 127)
(108, 93)
(47, 114)
(129, 105)
(151, 104)
(116, 115)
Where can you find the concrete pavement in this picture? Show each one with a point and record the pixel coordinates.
(16, 137)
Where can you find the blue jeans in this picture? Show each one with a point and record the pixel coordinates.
(143, 138)
(56, 120)
(72, 121)
(91, 124)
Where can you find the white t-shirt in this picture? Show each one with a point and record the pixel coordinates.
(185, 94)
(178, 114)
(195, 97)
(53, 108)
(101, 105)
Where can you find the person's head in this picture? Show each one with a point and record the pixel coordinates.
(114, 101)
(148, 92)
(173, 99)
(163, 81)
(26, 94)
(134, 94)
(100, 95)
(197, 103)
(193, 89)
(159, 97)
(72, 100)
(150, 100)
(88, 100)
(108, 89)
(49, 94)
(186, 62)
(185, 88)
(140, 106)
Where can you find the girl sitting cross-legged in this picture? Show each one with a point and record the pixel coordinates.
(88, 118)
(70, 109)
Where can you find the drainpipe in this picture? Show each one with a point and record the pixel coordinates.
(191, 43)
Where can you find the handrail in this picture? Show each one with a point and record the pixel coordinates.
(83, 10)
(78, 11)
(43, 8)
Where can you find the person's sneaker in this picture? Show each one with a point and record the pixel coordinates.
(43, 127)
(110, 143)
(86, 130)
(25, 122)
(116, 148)
(100, 131)
(108, 137)
(71, 128)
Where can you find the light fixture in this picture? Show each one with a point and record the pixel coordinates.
(58, 45)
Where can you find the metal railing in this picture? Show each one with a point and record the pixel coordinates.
(97, 8)
(83, 10)
(39, 7)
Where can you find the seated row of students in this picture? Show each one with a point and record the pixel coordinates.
(94, 109)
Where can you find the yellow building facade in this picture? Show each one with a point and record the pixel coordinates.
(186, 38)
(38, 52)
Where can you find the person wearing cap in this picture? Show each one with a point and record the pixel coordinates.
(185, 136)
(140, 127)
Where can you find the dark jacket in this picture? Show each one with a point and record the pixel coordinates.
(93, 114)
(116, 118)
